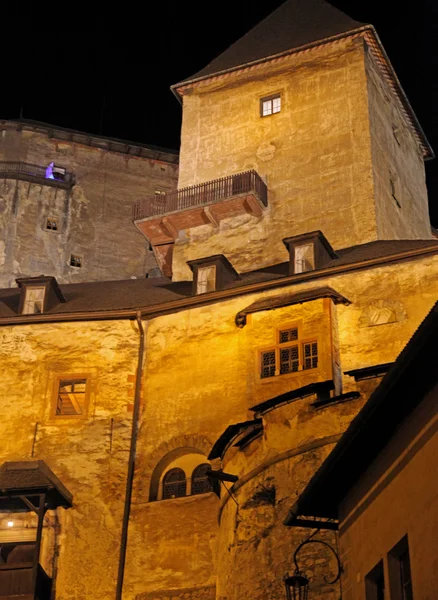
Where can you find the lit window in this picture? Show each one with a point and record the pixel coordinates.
(75, 261)
(174, 484)
(304, 258)
(288, 356)
(51, 224)
(71, 397)
(34, 300)
(206, 281)
(200, 482)
(270, 105)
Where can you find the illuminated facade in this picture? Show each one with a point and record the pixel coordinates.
(297, 262)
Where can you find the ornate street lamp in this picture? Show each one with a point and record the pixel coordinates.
(297, 585)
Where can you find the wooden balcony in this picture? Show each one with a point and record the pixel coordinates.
(17, 582)
(162, 216)
(35, 174)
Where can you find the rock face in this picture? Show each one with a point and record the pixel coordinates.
(340, 155)
(93, 218)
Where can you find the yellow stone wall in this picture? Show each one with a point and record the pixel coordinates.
(397, 156)
(200, 376)
(94, 218)
(88, 455)
(320, 156)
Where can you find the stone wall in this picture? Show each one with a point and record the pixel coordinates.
(89, 455)
(93, 218)
(401, 206)
(322, 156)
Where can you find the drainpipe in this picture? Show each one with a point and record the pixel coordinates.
(131, 462)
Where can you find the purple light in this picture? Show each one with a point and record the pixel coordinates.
(49, 171)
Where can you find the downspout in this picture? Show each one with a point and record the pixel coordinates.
(131, 462)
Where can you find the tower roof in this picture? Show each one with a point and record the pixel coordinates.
(294, 24)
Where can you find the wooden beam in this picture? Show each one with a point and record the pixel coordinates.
(29, 504)
(168, 227)
(253, 206)
(210, 216)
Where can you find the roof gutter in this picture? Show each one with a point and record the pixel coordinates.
(196, 301)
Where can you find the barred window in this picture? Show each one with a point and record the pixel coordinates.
(75, 261)
(51, 224)
(174, 484)
(310, 352)
(288, 335)
(71, 398)
(200, 482)
(290, 355)
(268, 364)
(289, 360)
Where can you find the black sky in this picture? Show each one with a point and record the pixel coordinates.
(63, 64)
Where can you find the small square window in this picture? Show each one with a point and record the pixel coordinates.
(51, 224)
(71, 397)
(304, 258)
(75, 261)
(270, 105)
(206, 279)
(34, 300)
(288, 335)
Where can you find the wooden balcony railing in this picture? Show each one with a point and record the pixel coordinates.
(32, 172)
(16, 581)
(210, 192)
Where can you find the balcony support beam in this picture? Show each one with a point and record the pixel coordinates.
(210, 216)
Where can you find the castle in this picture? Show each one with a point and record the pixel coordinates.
(236, 323)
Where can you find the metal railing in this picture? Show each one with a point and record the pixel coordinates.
(16, 170)
(203, 193)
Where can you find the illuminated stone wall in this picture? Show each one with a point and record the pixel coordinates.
(319, 156)
(94, 219)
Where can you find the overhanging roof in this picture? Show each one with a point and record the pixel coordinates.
(402, 389)
(33, 477)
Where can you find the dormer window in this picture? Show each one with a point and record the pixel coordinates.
(206, 280)
(212, 273)
(304, 259)
(34, 300)
(308, 252)
(270, 105)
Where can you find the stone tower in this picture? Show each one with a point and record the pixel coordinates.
(309, 101)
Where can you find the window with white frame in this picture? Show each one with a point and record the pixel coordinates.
(304, 258)
(206, 279)
(270, 105)
(34, 300)
(290, 355)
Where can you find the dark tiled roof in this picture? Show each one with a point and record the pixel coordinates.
(34, 477)
(294, 24)
(135, 294)
(230, 434)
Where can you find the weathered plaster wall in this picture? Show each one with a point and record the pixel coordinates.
(94, 218)
(88, 455)
(396, 496)
(397, 156)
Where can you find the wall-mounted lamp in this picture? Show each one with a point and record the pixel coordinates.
(297, 585)
(10, 523)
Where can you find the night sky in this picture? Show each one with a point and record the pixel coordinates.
(110, 72)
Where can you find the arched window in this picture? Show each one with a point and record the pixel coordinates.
(200, 482)
(174, 484)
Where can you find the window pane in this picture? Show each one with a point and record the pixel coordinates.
(276, 105)
(200, 482)
(174, 484)
(289, 360)
(71, 397)
(267, 364)
(288, 335)
(34, 300)
(304, 258)
(405, 575)
(310, 355)
(267, 108)
(206, 280)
